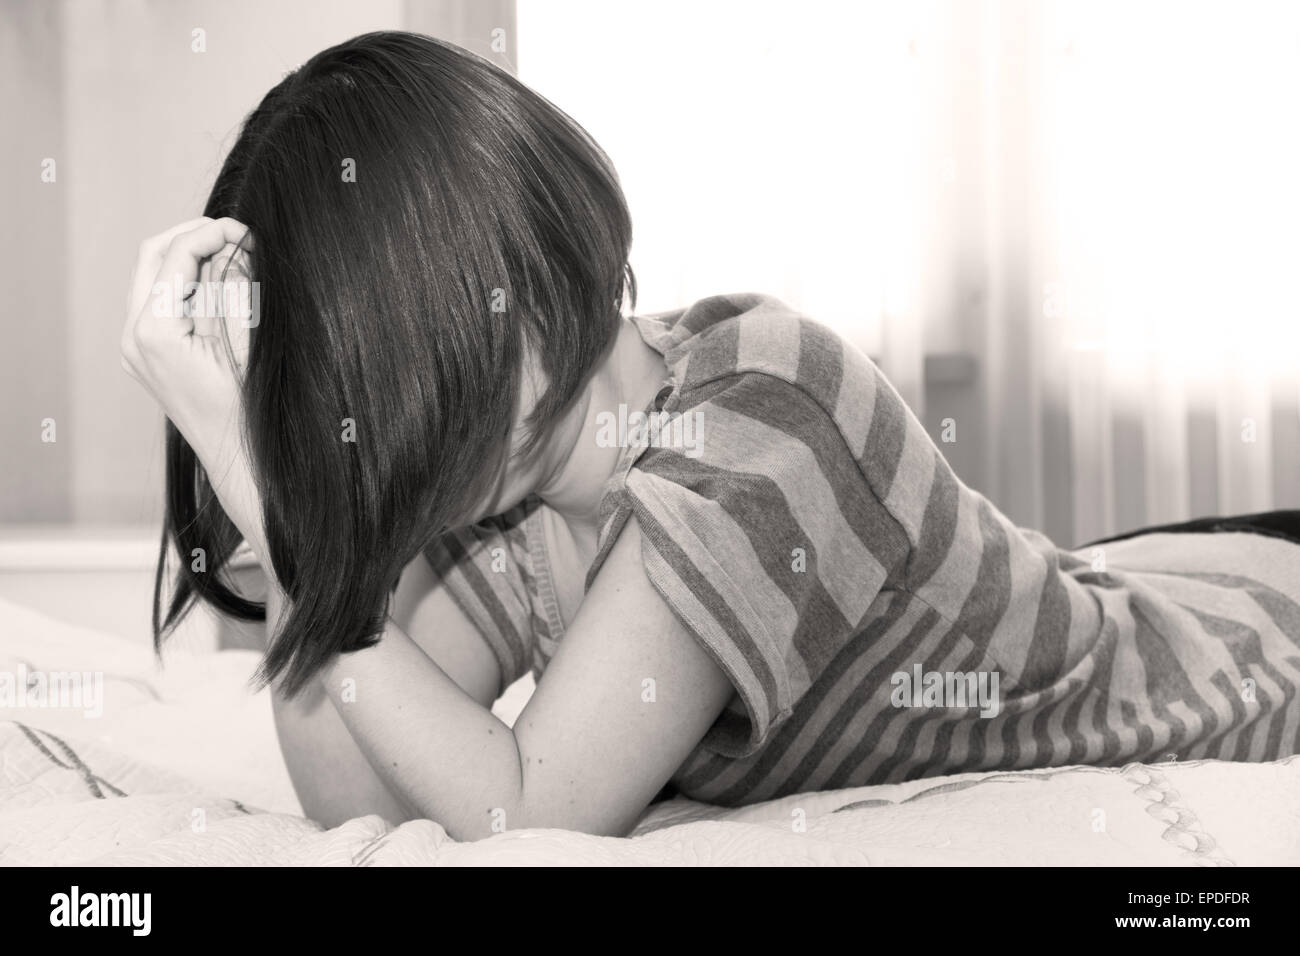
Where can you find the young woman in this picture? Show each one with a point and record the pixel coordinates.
(734, 560)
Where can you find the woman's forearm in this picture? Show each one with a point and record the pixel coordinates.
(231, 476)
(437, 749)
(439, 752)
(332, 777)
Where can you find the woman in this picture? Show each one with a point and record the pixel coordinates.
(768, 582)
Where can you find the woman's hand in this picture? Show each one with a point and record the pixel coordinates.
(188, 281)
(172, 343)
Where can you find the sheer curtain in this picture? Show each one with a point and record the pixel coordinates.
(1094, 206)
(1171, 209)
(762, 146)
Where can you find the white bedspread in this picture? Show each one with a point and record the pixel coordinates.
(183, 768)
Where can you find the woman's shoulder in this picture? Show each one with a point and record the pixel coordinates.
(754, 347)
(770, 411)
(757, 522)
(771, 391)
(731, 334)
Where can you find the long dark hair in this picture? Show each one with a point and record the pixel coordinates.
(419, 219)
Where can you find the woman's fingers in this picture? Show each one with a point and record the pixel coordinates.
(226, 297)
(152, 249)
(188, 374)
(199, 305)
(147, 262)
(238, 305)
(194, 235)
(162, 316)
(187, 250)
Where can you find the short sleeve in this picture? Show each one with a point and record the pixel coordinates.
(487, 570)
(762, 534)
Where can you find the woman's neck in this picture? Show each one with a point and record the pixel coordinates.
(630, 375)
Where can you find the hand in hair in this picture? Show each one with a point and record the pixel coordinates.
(171, 343)
(186, 341)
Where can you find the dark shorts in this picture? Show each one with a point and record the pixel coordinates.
(1276, 524)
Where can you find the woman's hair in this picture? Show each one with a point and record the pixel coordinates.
(420, 220)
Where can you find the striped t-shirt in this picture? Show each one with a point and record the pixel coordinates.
(878, 619)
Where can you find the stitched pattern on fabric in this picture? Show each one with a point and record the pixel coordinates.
(95, 784)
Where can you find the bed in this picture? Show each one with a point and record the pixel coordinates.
(182, 768)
